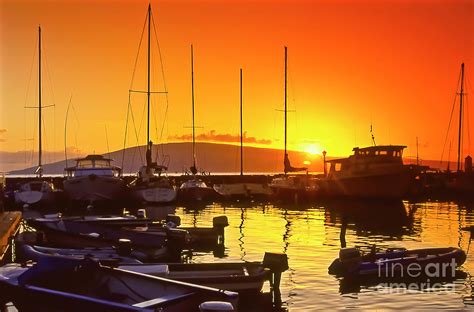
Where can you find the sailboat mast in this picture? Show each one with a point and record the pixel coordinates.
(460, 117)
(40, 151)
(286, 65)
(148, 90)
(192, 103)
(241, 133)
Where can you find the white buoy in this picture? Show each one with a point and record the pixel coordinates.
(89, 207)
(215, 306)
(25, 206)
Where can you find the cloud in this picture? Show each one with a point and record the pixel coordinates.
(213, 136)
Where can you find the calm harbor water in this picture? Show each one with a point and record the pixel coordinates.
(311, 237)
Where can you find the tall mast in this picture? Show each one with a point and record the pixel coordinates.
(40, 151)
(192, 103)
(241, 133)
(286, 64)
(148, 90)
(460, 117)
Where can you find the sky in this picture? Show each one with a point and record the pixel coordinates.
(391, 64)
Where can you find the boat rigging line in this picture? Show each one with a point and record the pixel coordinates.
(450, 121)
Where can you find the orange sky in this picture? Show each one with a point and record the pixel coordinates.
(392, 63)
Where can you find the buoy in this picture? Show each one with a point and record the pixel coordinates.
(25, 206)
(89, 207)
(216, 306)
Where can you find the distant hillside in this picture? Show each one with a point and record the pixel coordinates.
(211, 157)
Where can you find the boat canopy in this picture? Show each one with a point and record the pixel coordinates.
(385, 152)
(94, 164)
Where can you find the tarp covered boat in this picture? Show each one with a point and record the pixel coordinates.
(237, 276)
(71, 285)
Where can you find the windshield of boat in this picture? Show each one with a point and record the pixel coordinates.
(88, 163)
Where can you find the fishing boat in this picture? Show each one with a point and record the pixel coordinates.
(292, 187)
(85, 285)
(37, 191)
(94, 179)
(242, 186)
(194, 189)
(371, 172)
(395, 263)
(151, 186)
(234, 276)
(109, 256)
(198, 236)
(68, 233)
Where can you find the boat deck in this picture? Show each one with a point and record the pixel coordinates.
(9, 224)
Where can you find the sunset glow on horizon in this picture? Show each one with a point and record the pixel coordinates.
(392, 65)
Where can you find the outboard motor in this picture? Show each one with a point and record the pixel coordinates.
(216, 306)
(219, 223)
(174, 219)
(124, 247)
(141, 214)
(277, 263)
(348, 261)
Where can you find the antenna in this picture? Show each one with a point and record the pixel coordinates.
(372, 134)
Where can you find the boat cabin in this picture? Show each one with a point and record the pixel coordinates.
(93, 164)
(379, 156)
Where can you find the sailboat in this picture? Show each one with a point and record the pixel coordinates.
(150, 186)
(37, 191)
(462, 181)
(292, 187)
(194, 189)
(242, 187)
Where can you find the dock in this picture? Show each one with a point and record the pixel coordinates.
(9, 224)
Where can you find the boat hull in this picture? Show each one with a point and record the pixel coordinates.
(245, 277)
(34, 197)
(196, 194)
(242, 190)
(72, 285)
(92, 188)
(390, 185)
(397, 264)
(154, 195)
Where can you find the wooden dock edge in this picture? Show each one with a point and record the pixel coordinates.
(9, 224)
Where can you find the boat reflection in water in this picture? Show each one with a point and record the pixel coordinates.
(388, 218)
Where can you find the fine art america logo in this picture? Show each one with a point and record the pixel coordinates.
(422, 277)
